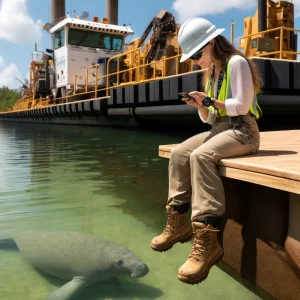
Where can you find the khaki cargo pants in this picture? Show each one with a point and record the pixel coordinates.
(193, 174)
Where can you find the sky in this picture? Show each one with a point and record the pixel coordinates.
(21, 23)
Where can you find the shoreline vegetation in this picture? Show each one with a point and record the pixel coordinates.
(8, 97)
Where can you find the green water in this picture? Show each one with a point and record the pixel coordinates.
(101, 181)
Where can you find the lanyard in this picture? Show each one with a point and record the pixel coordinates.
(211, 79)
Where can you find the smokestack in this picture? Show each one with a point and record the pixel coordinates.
(112, 11)
(262, 15)
(58, 10)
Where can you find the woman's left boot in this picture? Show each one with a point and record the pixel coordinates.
(205, 253)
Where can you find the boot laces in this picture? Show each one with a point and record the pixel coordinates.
(201, 243)
(170, 223)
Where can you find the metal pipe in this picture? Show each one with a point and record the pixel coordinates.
(47, 76)
(262, 15)
(281, 42)
(75, 85)
(96, 81)
(58, 10)
(295, 36)
(232, 33)
(112, 11)
(86, 79)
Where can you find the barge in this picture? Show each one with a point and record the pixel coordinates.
(81, 81)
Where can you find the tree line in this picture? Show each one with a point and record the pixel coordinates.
(8, 97)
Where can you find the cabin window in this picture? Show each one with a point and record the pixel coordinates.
(92, 39)
(59, 39)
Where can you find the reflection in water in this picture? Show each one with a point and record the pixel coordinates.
(102, 181)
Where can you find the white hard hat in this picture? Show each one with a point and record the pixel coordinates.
(194, 34)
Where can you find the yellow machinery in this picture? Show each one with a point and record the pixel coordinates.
(270, 33)
(163, 43)
(37, 82)
(276, 21)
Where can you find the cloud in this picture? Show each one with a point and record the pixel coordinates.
(214, 7)
(8, 74)
(2, 62)
(296, 8)
(16, 25)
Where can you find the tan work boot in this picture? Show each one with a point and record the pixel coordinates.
(178, 229)
(205, 253)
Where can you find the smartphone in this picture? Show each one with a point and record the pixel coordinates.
(186, 95)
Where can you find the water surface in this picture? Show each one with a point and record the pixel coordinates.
(101, 181)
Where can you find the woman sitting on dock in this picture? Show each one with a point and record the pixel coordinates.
(231, 83)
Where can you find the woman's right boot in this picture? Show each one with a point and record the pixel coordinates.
(178, 229)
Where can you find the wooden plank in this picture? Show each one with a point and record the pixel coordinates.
(280, 183)
(165, 154)
(277, 163)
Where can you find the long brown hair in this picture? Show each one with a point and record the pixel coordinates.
(223, 50)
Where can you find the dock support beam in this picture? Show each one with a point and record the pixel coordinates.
(292, 242)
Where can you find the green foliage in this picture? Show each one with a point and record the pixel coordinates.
(8, 97)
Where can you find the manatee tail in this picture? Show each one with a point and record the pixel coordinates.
(8, 244)
(68, 290)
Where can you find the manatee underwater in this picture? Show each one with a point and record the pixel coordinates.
(80, 258)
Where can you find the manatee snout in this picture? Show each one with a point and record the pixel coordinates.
(140, 270)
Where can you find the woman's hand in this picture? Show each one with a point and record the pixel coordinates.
(198, 96)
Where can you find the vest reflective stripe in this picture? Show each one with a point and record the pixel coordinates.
(226, 93)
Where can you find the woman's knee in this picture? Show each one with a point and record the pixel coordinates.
(200, 154)
(183, 150)
(180, 153)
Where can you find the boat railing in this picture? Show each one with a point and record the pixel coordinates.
(92, 83)
(92, 87)
(279, 34)
(37, 56)
(136, 71)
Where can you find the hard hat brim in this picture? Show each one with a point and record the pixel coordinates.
(209, 38)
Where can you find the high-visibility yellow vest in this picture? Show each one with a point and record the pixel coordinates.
(226, 93)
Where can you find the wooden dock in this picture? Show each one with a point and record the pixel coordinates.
(276, 165)
(261, 226)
